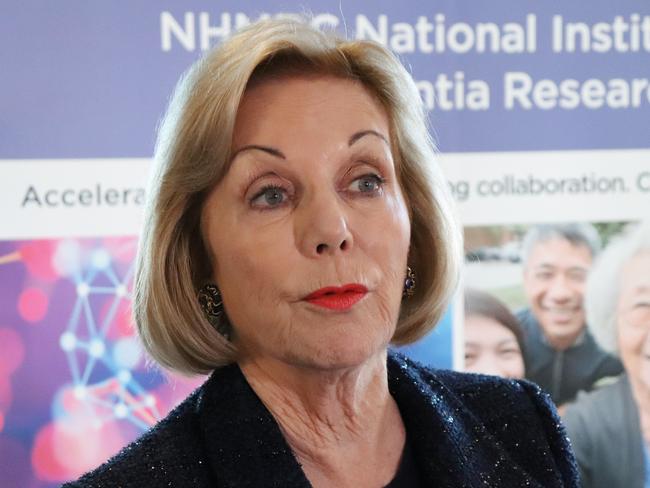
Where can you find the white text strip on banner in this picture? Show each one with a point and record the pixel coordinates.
(104, 197)
(71, 197)
(548, 186)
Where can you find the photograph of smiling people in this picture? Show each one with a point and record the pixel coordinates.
(298, 225)
(539, 272)
(561, 354)
(494, 339)
(610, 426)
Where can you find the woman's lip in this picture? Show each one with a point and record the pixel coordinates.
(337, 297)
(337, 290)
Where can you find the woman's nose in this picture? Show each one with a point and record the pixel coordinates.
(322, 227)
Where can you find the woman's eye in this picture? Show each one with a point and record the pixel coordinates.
(510, 352)
(639, 314)
(369, 184)
(470, 357)
(269, 197)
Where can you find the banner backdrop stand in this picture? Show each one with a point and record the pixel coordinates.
(540, 112)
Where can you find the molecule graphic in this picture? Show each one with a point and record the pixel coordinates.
(85, 343)
(72, 315)
(72, 309)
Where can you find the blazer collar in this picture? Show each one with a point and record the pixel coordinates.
(245, 446)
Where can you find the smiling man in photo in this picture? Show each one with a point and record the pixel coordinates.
(561, 355)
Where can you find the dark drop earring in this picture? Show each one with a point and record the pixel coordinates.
(212, 306)
(409, 283)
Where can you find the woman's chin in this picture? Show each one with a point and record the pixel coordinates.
(343, 355)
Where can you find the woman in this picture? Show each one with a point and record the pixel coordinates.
(610, 427)
(493, 337)
(295, 195)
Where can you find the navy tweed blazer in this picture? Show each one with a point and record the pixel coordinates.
(465, 431)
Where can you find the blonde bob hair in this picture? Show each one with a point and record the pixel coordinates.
(192, 155)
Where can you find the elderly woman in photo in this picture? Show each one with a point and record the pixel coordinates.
(494, 339)
(298, 225)
(610, 427)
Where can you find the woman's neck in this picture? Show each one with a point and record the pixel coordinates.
(343, 425)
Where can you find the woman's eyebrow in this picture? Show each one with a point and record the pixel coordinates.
(278, 154)
(267, 149)
(358, 135)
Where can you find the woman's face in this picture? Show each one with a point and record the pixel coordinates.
(311, 200)
(633, 317)
(491, 348)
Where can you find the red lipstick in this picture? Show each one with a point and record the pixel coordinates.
(337, 297)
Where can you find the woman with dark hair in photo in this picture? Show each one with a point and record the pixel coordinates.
(494, 339)
(297, 225)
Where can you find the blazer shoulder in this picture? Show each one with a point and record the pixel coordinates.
(475, 386)
(515, 414)
(483, 393)
(494, 398)
(170, 452)
(519, 412)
